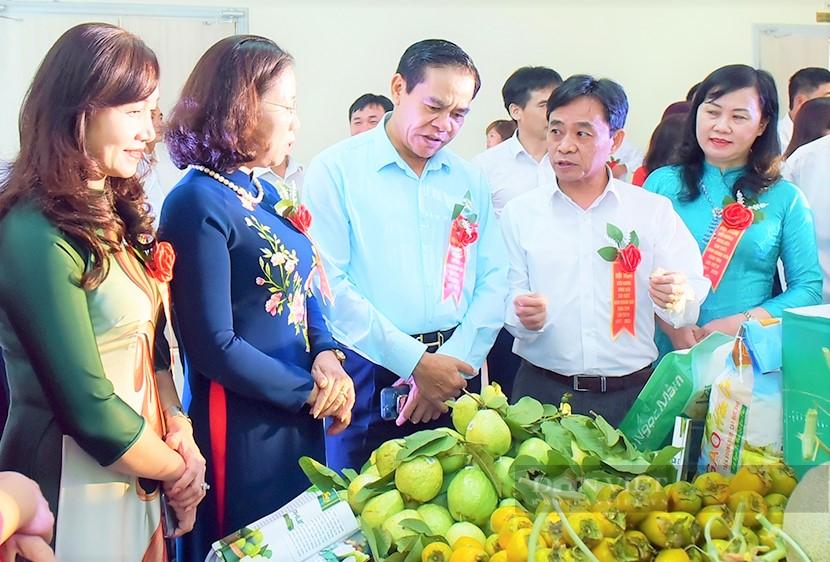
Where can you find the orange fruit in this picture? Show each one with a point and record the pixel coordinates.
(713, 486)
(510, 527)
(469, 554)
(752, 478)
(466, 541)
(753, 504)
(502, 514)
(517, 550)
(672, 555)
(436, 552)
(500, 556)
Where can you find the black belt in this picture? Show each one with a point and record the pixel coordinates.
(434, 340)
(598, 383)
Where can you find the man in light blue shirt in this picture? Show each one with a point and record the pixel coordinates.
(412, 250)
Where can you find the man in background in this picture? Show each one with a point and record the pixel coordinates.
(806, 84)
(514, 167)
(367, 111)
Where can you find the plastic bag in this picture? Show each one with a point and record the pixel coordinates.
(744, 422)
(678, 386)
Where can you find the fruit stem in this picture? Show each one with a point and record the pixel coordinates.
(711, 549)
(534, 534)
(737, 525)
(784, 536)
(578, 541)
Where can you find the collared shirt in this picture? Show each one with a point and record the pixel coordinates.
(511, 171)
(809, 168)
(785, 131)
(384, 234)
(294, 173)
(553, 247)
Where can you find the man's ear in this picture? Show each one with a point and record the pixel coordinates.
(398, 88)
(800, 99)
(617, 140)
(515, 111)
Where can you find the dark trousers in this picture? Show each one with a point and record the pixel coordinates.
(352, 447)
(547, 387)
(502, 363)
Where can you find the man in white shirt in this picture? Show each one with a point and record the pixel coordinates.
(290, 172)
(806, 84)
(513, 167)
(809, 168)
(366, 112)
(592, 260)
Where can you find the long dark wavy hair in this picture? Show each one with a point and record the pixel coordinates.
(764, 162)
(91, 67)
(215, 121)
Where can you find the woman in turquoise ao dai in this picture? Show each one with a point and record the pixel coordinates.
(729, 192)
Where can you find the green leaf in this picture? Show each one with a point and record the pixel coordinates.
(608, 253)
(376, 488)
(728, 200)
(626, 465)
(585, 433)
(456, 211)
(518, 432)
(321, 476)
(633, 238)
(557, 437)
(349, 473)
(614, 233)
(472, 218)
(497, 402)
(549, 410)
(758, 216)
(484, 460)
(417, 525)
(605, 476)
(426, 443)
(526, 411)
(415, 550)
(612, 435)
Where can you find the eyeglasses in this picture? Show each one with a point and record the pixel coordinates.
(292, 109)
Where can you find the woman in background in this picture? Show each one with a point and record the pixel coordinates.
(261, 366)
(663, 148)
(728, 190)
(81, 292)
(813, 124)
(499, 131)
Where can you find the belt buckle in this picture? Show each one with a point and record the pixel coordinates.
(602, 387)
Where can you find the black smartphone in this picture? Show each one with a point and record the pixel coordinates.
(169, 521)
(392, 400)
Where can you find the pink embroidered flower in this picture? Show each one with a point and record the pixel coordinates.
(260, 281)
(296, 308)
(272, 304)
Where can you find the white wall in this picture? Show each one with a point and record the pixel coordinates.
(655, 48)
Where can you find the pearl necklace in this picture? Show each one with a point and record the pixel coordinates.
(241, 192)
(717, 213)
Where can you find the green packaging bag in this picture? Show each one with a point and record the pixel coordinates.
(678, 386)
(806, 350)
